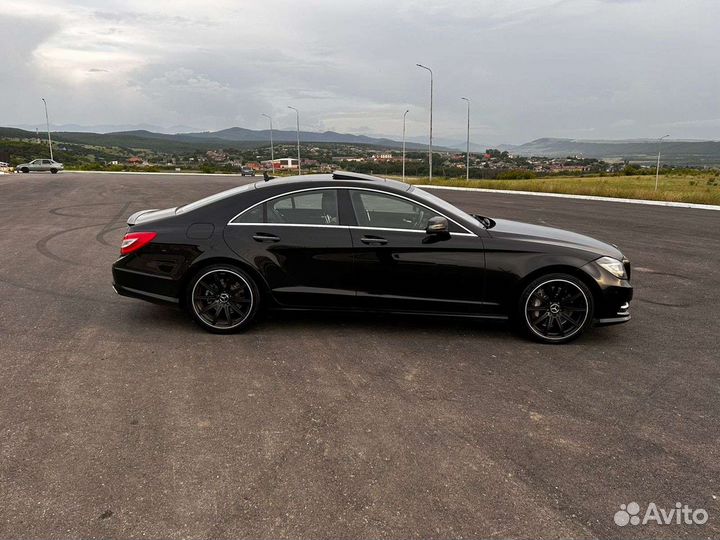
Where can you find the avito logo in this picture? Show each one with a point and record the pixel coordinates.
(681, 514)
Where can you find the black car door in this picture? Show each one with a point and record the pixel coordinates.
(398, 266)
(297, 244)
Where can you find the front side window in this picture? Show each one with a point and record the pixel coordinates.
(386, 211)
(318, 207)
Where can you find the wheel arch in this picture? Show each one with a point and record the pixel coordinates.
(556, 269)
(197, 266)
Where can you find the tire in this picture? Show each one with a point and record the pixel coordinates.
(54, 171)
(25, 170)
(222, 299)
(555, 308)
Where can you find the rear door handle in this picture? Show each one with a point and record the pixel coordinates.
(373, 240)
(265, 237)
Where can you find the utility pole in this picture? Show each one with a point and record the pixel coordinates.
(297, 118)
(403, 155)
(657, 169)
(430, 156)
(272, 148)
(47, 121)
(467, 159)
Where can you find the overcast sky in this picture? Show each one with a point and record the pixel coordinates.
(590, 69)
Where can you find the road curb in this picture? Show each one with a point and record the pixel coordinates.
(672, 204)
(162, 172)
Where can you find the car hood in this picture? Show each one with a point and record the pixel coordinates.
(550, 235)
(145, 216)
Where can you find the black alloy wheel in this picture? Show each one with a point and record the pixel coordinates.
(223, 299)
(556, 308)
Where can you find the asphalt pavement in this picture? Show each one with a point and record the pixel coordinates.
(120, 418)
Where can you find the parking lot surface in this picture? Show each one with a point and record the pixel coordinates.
(121, 418)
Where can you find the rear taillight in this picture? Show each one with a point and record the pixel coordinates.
(136, 240)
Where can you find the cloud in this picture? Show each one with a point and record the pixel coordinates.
(532, 68)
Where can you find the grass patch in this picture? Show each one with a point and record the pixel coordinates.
(699, 189)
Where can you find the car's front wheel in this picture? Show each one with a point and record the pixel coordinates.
(223, 299)
(556, 308)
(54, 171)
(25, 170)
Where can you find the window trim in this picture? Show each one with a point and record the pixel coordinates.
(468, 233)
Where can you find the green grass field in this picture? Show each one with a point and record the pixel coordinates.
(703, 188)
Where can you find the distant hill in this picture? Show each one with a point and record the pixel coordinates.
(237, 134)
(108, 128)
(231, 137)
(696, 153)
(676, 152)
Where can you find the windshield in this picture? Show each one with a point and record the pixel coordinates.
(214, 198)
(443, 205)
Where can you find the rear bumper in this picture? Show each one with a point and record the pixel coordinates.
(134, 284)
(144, 295)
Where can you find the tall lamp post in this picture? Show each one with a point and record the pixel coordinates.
(297, 118)
(47, 121)
(431, 119)
(657, 169)
(467, 158)
(272, 148)
(403, 157)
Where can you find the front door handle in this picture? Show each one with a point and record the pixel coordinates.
(373, 240)
(265, 237)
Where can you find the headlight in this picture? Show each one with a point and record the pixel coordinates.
(615, 267)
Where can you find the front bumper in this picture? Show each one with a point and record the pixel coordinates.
(612, 304)
(622, 315)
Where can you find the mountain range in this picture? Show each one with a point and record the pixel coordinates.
(678, 152)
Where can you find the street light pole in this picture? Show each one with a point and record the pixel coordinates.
(430, 156)
(272, 148)
(47, 121)
(467, 159)
(403, 158)
(297, 118)
(657, 169)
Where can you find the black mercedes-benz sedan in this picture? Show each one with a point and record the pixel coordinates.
(347, 241)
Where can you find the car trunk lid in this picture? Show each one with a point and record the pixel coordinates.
(153, 214)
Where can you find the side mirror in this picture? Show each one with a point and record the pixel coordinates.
(437, 225)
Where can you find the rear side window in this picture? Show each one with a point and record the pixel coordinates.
(310, 208)
(318, 207)
(254, 215)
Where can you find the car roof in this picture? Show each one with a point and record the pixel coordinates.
(338, 177)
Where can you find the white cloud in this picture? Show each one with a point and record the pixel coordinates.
(531, 67)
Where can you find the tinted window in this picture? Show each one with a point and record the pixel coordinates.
(254, 215)
(308, 208)
(443, 205)
(386, 211)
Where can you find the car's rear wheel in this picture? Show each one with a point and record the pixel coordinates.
(556, 308)
(25, 170)
(223, 299)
